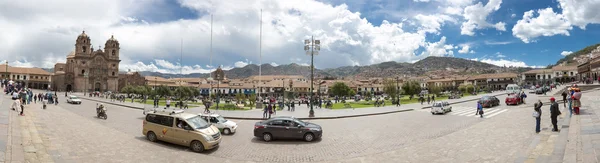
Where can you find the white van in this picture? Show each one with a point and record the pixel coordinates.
(513, 88)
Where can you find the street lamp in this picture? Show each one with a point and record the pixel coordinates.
(312, 47)
(219, 75)
(85, 75)
(397, 92)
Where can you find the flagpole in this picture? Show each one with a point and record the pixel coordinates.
(260, 57)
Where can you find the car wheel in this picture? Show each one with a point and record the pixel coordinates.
(432, 113)
(267, 137)
(151, 136)
(226, 131)
(197, 146)
(309, 137)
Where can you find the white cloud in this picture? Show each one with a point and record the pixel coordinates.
(438, 49)
(503, 62)
(499, 55)
(465, 49)
(487, 42)
(476, 16)
(274, 64)
(565, 53)
(547, 23)
(421, 0)
(513, 15)
(346, 37)
(240, 64)
(432, 23)
(580, 13)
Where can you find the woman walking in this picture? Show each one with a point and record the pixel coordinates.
(479, 109)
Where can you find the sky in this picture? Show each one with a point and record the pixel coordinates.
(173, 36)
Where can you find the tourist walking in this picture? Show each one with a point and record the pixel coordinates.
(564, 96)
(537, 114)
(265, 111)
(293, 107)
(428, 99)
(554, 113)
(479, 110)
(168, 102)
(433, 98)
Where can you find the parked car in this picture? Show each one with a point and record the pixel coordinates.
(73, 100)
(513, 99)
(226, 127)
(489, 101)
(441, 107)
(513, 88)
(177, 127)
(287, 128)
(540, 91)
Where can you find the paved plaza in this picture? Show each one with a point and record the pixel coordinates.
(72, 133)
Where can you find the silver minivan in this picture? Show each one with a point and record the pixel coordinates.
(441, 107)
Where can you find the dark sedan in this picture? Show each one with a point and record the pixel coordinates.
(489, 101)
(287, 128)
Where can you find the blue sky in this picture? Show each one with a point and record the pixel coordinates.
(528, 33)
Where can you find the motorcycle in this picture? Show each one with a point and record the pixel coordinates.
(101, 112)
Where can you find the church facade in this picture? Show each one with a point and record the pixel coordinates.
(87, 69)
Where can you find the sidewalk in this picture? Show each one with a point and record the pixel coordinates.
(583, 142)
(301, 112)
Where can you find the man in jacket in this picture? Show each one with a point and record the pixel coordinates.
(554, 112)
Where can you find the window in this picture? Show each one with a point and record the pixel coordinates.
(83, 72)
(83, 62)
(114, 52)
(571, 73)
(72, 61)
(83, 48)
(276, 123)
(113, 73)
(114, 65)
(18, 77)
(159, 119)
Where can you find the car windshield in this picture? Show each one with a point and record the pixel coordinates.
(437, 105)
(221, 119)
(485, 98)
(74, 98)
(197, 122)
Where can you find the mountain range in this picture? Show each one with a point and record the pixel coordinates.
(432, 66)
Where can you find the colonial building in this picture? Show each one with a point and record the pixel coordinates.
(89, 69)
(35, 78)
(131, 78)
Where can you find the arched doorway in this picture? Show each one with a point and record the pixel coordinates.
(97, 87)
(69, 87)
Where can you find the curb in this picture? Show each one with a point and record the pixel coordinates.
(117, 104)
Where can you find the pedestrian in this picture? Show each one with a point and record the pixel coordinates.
(537, 114)
(35, 98)
(564, 96)
(428, 99)
(554, 113)
(523, 96)
(265, 111)
(421, 99)
(569, 98)
(55, 100)
(398, 101)
(270, 109)
(293, 107)
(168, 103)
(433, 98)
(479, 110)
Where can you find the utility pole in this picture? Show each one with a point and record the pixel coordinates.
(260, 57)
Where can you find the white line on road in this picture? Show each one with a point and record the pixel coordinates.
(491, 115)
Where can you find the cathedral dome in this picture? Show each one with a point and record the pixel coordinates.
(112, 38)
(83, 35)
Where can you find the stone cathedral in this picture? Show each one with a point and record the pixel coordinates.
(88, 69)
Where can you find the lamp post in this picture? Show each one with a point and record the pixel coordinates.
(219, 75)
(312, 48)
(397, 92)
(85, 75)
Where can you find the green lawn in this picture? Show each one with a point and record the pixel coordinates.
(162, 103)
(367, 104)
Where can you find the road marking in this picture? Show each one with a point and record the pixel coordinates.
(502, 111)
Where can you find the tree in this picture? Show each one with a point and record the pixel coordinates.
(389, 87)
(436, 90)
(163, 91)
(462, 89)
(411, 88)
(252, 99)
(340, 89)
(351, 92)
(469, 88)
(239, 97)
(128, 89)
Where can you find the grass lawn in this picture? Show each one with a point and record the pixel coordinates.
(222, 107)
(367, 104)
(162, 103)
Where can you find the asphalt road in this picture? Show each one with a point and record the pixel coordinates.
(342, 139)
